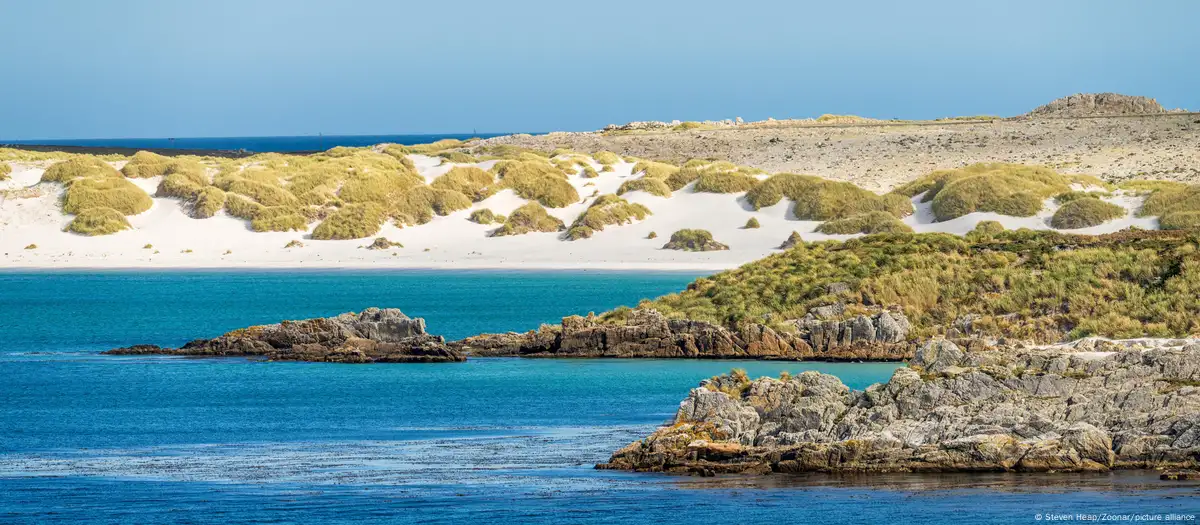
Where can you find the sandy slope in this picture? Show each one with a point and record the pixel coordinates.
(447, 242)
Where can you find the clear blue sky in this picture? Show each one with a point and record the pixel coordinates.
(116, 68)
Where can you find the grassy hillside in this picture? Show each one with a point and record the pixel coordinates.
(1033, 285)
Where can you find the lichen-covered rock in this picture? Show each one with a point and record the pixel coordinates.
(1011, 409)
(373, 336)
(883, 334)
(1098, 104)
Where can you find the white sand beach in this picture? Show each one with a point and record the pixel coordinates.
(166, 237)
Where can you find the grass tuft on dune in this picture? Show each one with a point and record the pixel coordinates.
(352, 221)
(98, 221)
(607, 210)
(870, 222)
(531, 217)
(467, 180)
(537, 180)
(1085, 213)
(1007, 189)
(820, 199)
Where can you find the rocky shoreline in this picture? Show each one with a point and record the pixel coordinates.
(1092, 405)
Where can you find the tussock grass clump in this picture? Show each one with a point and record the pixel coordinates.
(607, 210)
(99, 221)
(207, 202)
(242, 207)
(182, 185)
(1008, 189)
(589, 173)
(820, 199)
(262, 192)
(378, 187)
(1085, 213)
(382, 243)
(485, 216)
(113, 193)
(725, 182)
(652, 235)
(655, 170)
(1069, 196)
(352, 221)
(145, 164)
(792, 241)
(457, 157)
(606, 158)
(418, 205)
(646, 184)
(1176, 207)
(531, 217)
(278, 219)
(467, 180)
(5, 170)
(752, 224)
(870, 222)
(694, 241)
(540, 181)
(986, 229)
(294, 244)
(1036, 285)
(79, 167)
(31, 247)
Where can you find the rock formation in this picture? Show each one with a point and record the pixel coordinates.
(1082, 407)
(373, 336)
(648, 333)
(1098, 104)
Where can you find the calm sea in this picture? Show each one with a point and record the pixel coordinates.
(89, 438)
(254, 144)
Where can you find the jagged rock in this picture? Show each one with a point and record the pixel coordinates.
(1009, 409)
(793, 240)
(373, 336)
(884, 332)
(1097, 104)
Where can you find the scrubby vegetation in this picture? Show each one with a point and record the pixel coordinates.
(109, 192)
(694, 241)
(792, 241)
(98, 221)
(870, 222)
(986, 230)
(382, 243)
(467, 180)
(646, 184)
(278, 219)
(5, 169)
(537, 180)
(820, 199)
(1031, 285)
(1177, 207)
(145, 164)
(457, 156)
(352, 221)
(31, 247)
(79, 167)
(725, 182)
(531, 217)
(606, 158)
(752, 224)
(1008, 189)
(607, 210)
(418, 205)
(1085, 213)
(207, 202)
(654, 170)
(1069, 196)
(485, 216)
(652, 235)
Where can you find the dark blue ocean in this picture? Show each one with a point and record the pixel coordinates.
(253, 144)
(95, 439)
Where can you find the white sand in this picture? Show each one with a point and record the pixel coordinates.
(447, 242)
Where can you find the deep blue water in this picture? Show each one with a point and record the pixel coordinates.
(90, 438)
(255, 144)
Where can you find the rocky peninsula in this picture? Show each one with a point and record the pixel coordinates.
(1091, 405)
(373, 336)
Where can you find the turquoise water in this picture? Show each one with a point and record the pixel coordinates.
(90, 438)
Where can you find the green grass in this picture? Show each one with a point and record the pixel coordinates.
(607, 210)
(646, 184)
(820, 199)
(986, 230)
(1176, 207)
(113, 193)
(693, 240)
(79, 167)
(1007, 189)
(870, 222)
(606, 158)
(531, 217)
(352, 221)
(457, 157)
(241, 207)
(655, 170)
(537, 180)
(207, 202)
(379, 187)
(98, 221)
(467, 180)
(1041, 286)
(1085, 213)
(258, 189)
(279, 219)
(418, 205)
(725, 182)
(485, 216)
(752, 224)
(145, 164)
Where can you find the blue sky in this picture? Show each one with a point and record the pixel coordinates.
(81, 69)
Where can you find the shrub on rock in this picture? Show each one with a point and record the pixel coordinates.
(693, 241)
(792, 241)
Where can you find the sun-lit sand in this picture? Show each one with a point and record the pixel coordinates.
(165, 237)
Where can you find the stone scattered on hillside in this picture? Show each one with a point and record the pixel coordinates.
(373, 336)
(1084, 407)
(1098, 104)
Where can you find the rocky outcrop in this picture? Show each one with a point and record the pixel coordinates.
(373, 336)
(648, 333)
(1013, 409)
(883, 334)
(1098, 104)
